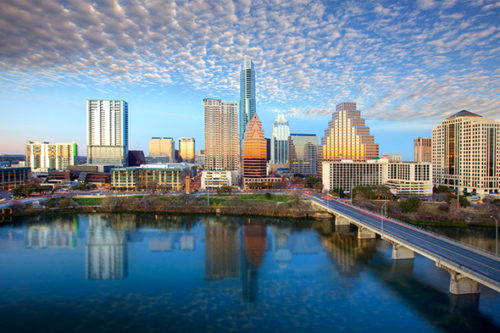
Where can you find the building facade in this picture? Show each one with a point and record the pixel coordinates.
(466, 153)
(187, 149)
(347, 137)
(279, 141)
(303, 154)
(45, 156)
(222, 142)
(247, 96)
(162, 147)
(254, 150)
(215, 179)
(422, 150)
(107, 132)
(404, 178)
(169, 177)
(11, 177)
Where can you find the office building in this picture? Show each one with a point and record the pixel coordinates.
(422, 150)
(303, 154)
(107, 132)
(279, 141)
(187, 149)
(247, 95)
(10, 177)
(466, 153)
(45, 156)
(164, 148)
(214, 179)
(393, 158)
(222, 142)
(254, 150)
(403, 178)
(347, 137)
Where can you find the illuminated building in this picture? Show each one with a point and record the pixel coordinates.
(254, 150)
(303, 154)
(162, 147)
(466, 153)
(107, 132)
(347, 137)
(422, 150)
(222, 143)
(11, 177)
(187, 149)
(44, 156)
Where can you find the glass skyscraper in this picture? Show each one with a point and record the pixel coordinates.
(247, 95)
(279, 141)
(303, 154)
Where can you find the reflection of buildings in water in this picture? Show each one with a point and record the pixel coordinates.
(167, 243)
(221, 251)
(106, 251)
(349, 254)
(58, 234)
(254, 247)
(186, 243)
(286, 244)
(161, 244)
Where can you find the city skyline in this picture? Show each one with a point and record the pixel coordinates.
(406, 65)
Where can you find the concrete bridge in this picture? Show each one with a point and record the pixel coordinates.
(468, 266)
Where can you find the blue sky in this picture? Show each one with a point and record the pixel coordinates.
(408, 64)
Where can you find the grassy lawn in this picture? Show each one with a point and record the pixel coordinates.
(263, 198)
(88, 201)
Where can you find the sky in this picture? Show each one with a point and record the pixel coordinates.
(407, 64)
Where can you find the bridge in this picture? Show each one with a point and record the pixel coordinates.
(467, 265)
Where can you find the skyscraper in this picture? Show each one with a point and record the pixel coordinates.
(44, 156)
(279, 140)
(162, 147)
(254, 150)
(247, 95)
(187, 149)
(347, 137)
(107, 132)
(222, 142)
(303, 154)
(422, 150)
(466, 153)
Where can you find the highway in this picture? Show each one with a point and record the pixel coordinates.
(478, 265)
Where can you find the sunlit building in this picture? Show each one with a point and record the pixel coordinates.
(107, 132)
(466, 153)
(187, 149)
(247, 95)
(422, 150)
(254, 150)
(11, 177)
(45, 156)
(279, 141)
(303, 154)
(347, 137)
(162, 147)
(222, 143)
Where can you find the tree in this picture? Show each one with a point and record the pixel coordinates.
(410, 205)
(25, 190)
(339, 192)
(224, 189)
(313, 182)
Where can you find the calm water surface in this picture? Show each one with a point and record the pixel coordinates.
(152, 273)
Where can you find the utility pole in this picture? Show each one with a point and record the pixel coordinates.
(496, 234)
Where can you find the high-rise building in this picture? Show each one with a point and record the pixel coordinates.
(254, 150)
(347, 137)
(44, 156)
(187, 149)
(162, 147)
(303, 154)
(247, 95)
(466, 153)
(279, 140)
(107, 132)
(222, 142)
(422, 150)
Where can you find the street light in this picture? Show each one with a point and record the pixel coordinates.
(496, 234)
(383, 209)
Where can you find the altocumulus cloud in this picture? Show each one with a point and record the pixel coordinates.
(398, 60)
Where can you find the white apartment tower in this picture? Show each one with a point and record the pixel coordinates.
(466, 153)
(107, 132)
(222, 142)
(45, 156)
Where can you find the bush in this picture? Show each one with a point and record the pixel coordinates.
(410, 205)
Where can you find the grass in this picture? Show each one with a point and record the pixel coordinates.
(88, 201)
(262, 197)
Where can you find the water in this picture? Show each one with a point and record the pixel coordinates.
(214, 274)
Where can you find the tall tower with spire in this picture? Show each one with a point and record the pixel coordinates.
(247, 95)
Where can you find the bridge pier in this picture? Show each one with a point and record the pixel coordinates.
(460, 284)
(364, 233)
(340, 220)
(400, 252)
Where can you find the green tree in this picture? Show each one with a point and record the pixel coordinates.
(410, 205)
(339, 192)
(224, 189)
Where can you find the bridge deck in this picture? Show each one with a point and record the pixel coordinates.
(480, 266)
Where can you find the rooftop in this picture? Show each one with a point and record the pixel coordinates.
(464, 113)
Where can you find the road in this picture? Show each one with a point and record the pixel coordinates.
(449, 252)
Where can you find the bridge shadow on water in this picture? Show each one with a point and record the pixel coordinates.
(444, 311)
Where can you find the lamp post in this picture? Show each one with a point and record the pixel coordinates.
(496, 234)
(383, 212)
